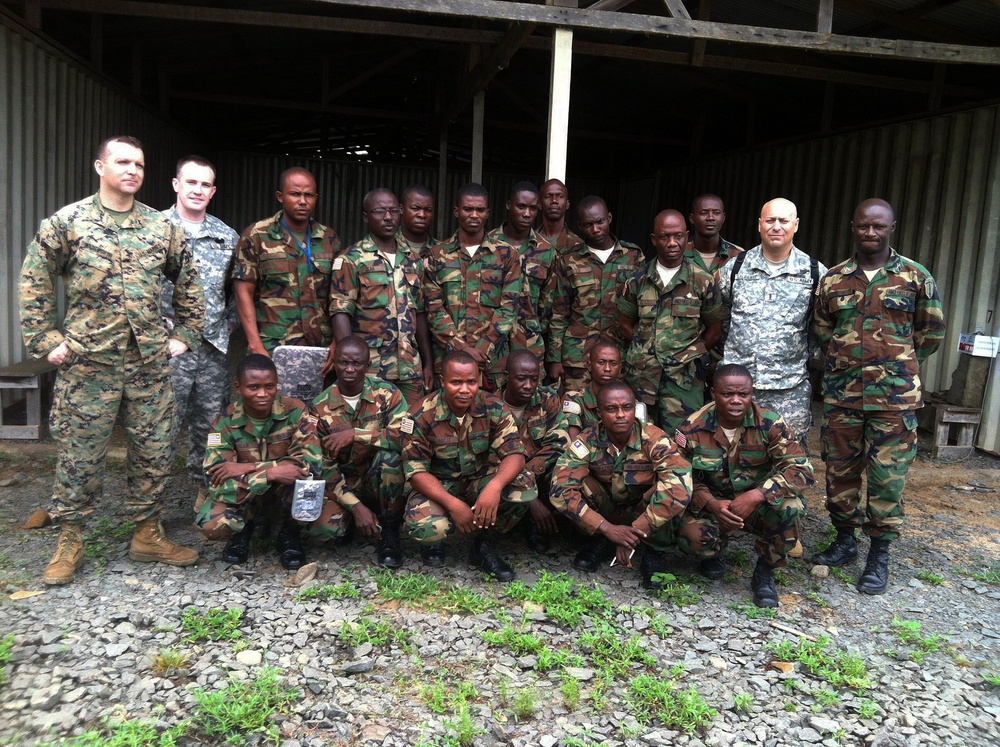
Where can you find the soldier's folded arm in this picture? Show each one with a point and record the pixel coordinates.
(793, 472)
(673, 489)
(442, 327)
(928, 321)
(248, 314)
(44, 262)
(189, 298)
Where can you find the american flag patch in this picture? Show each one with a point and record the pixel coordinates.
(215, 439)
(680, 438)
(406, 426)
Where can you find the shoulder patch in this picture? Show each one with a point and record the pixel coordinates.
(680, 438)
(406, 426)
(338, 263)
(214, 439)
(579, 448)
(571, 407)
(313, 420)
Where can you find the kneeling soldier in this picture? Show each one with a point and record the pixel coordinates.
(749, 473)
(625, 483)
(464, 461)
(252, 458)
(358, 424)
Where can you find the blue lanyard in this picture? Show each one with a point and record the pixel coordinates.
(308, 245)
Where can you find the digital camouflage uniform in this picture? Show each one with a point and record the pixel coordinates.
(537, 256)
(464, 458)
(232, 439)
(727, 251)
(368, 470)
(647, 484)
(769, 332)
(583, 301)
(473, 301)
(667, 341)
(542, 426)
(875, 334)
(383, 297)
(765, 455)
(117, 360)
(291, 294)
(201, 377)
(580, 408)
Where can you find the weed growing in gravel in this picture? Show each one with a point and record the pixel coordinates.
(519, 643)
(652, 697)
(408, 587)
(549, 659)
(791, 706)
(439, 698)
(992, 679)
(842, 575)
(102, 542)
(525, 703)
(6, 647)
(169, 659)
(826, 698)
(815, 598)
(346, 590)
(908, 632)
(463, 600)
(564, 600)
(738, 559)
(214, 624)
(867, 708)
(570, 689)
(460, 730)
(743, 701)
(753, 612)
(124, 734)
(988, 575)
(599, 692)
(375, 632)
(838, 668)
(673, 590)
(930, 578)
(243, 708)
(612, 651)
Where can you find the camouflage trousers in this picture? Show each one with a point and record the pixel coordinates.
(793, 405)
(881, 444)
(378, 485)
(574, 379)
(429, 523)
(413, 391)
(690, 535)
(226, 513)
(775, 527)
(87, 399)
(669, 403)
(201, 383)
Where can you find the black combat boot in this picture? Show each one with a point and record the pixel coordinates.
(765, 594)
(484, 556)
(712, 568)
(433, 555)
(288, 545)
(537, 541)
(843, 550)
(653, 562)
(390, 553)
(590, 557)
(237, 548)
(875, 576)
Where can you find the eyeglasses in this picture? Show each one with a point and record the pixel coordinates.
(381, 212)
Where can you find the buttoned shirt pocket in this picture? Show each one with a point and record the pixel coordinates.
(686, 307)
(753, 458)
(588, 291)
(247, 452)
(449, 275)
(278, 270)
(535, 274)
(638, 474)
(277, 445)
(92, 271)
(710, 464)
(491, 286)
(373, 288)
(479, 442)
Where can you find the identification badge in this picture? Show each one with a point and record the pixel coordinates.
(406, 426)
(571, 407)
(214, 439)
(579, 448)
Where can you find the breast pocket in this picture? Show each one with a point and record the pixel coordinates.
(535, 274)
(449, 275)
(277, 272)
(588, 292)
(373, 289)
(491, 286)
(91, 272)
(277, 445)
(638, 475)
(753, 458)
(479, 441)
(709, 464)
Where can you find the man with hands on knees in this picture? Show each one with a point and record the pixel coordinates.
(464, 464)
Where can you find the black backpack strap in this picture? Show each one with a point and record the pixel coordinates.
(814, 271)
(737, 264)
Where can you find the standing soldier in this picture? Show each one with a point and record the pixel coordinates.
(417, 217)
(111, 252)
(878, 317)
(378, 294)
(749, 473)
(201, 377)
(604, 364)
(707, 249)
(672, 314)
(583, 294)
(554, 206)
(473, 289)
(282, 272)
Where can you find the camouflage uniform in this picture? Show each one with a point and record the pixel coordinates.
(582, 299)
(580, 408)
(660, 363)
(647, 484)
(765, 455)
(291, 294)
(201, 377)
(727, 251)
(464, 459)
(473, 301)
(383, 296)
(421, 250)
(232, 439)
(769, 332)
(117, 340)
(537, 256)
(369, 470)
(876, 334)
(543, 432)
(563, 241)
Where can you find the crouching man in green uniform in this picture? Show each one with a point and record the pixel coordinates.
(464, 463)
(625, 484)
(253, 456)
(749, 474)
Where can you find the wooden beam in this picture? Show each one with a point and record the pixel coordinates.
(609, 5)
(478, 139)
(908, 22)
(676, 9)
(488, 67)
(557, 133)
(824, 17)
(655, 26)
(272, 103)
(698, 51)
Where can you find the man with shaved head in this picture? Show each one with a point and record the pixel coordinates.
(878, 317)
(553, 206)
(768, 291)
(672, 315)
(282, 271)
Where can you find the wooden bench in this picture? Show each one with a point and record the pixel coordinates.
(31, 377)
(964, 419)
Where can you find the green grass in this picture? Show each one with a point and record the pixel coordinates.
(564, 600)
(653, 697)
(406, 587)
(826, 698)
(867, 709)
(570, 689)
(753, 612)
(168, 660)
(460, 731)
(441, 698)
(241, 709)
(988, 575)
(839, 668)
(6, 648)
(743, 701)
(346, 590)
(992, 679)
(674, 590)
(375, 632)
(519, 643)
(930, 578)
(525, 703)
(215, 624)
(560, 658)
(462, 600)
(842, 575)
(908, 632)
(612, 651)
(124, 734)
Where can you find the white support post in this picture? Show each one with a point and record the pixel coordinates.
(478, 125)
(558, 136)
(443, 207)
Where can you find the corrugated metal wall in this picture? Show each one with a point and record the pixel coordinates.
(54, 114)
(942, 176)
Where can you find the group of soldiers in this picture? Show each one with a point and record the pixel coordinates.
(493, 379)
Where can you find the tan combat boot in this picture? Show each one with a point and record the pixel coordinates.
(68, 557)
(150, 545)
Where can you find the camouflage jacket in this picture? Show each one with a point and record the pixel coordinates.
(422, 250)
(292, 294)
(472, 301)
(769, 318)
(112, 279)
(582, 298)
(562, 242)
(580, 408)
(669, 323)
(212, 250)
(383, 302)
(876, 334)
(375, 422)
(727, 251)
(543, 431)
(648, 466)
(232, 439)
(766, 456)
(537, 256)
(434, 442)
